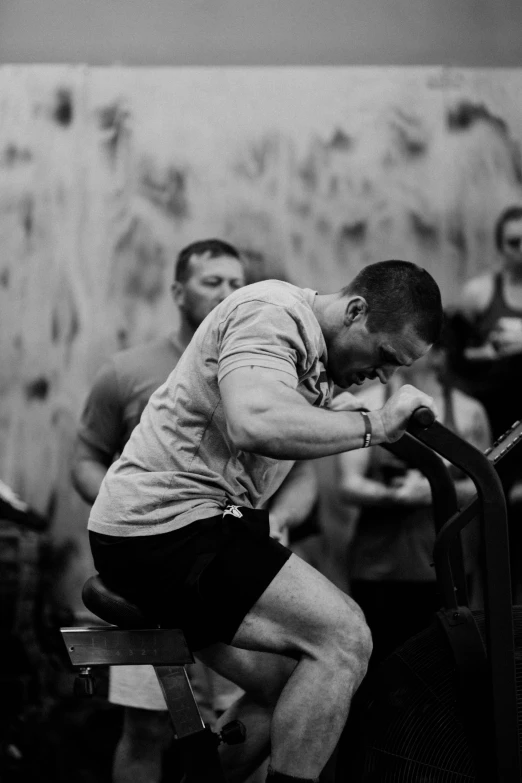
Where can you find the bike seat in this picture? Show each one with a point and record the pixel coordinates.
(113, 608)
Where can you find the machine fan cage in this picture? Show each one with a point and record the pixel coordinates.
(405, 725)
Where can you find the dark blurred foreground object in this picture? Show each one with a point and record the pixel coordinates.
(13, 509)
(28, 619)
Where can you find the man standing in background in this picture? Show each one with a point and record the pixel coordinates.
(206, 272)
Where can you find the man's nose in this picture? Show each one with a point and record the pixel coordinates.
(224, 290)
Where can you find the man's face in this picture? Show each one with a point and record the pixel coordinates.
(512, 241)
(433, 363)
(356, 354)
(211, 280)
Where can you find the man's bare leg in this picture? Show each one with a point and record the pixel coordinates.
(322, 647)
(266, 675)
(139, 752)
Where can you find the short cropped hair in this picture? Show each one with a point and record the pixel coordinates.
(211, 247)
(399, 293)
(511, 213)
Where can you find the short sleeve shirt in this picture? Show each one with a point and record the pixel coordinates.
(120, 392)
(180, 464)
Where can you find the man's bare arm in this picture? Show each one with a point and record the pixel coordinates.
(88, 470)
(355, 488)
(266, 415)
(294, 500)
(475, 296)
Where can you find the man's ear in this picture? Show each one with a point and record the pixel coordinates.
(177, 291)
(356, 310)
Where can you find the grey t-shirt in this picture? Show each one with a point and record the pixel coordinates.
(121, 390)
(180, 464)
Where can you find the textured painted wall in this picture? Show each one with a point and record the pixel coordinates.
(105, 173)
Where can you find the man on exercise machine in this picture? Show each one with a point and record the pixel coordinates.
(178, 528)
(206, 271)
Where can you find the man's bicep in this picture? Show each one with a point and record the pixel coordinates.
(475, 296)
(247, 388)
(254, 381)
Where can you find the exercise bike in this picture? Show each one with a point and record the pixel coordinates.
(446, 707)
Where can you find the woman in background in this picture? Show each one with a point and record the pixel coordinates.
(390, 557)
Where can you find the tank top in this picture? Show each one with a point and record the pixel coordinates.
(498, 308)
(496, 382)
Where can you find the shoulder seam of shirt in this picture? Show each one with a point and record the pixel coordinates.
(265, 301)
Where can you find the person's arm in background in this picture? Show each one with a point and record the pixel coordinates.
(357, 489)
(99, 435)
(291, 504)
(88, 470)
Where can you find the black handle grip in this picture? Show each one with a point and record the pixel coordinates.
(422, 417)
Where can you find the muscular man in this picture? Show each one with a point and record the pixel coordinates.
(206, 272)
(177, 527)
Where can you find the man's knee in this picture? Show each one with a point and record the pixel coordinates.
(353, 606)
(349, 642)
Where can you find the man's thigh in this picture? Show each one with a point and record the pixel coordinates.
(292, 617)
(262, 675)
(297, 613)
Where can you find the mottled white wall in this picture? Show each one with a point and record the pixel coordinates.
(105, 173)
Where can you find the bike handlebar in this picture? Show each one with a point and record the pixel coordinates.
(422, 418)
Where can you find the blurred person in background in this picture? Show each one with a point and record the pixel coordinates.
(487, 329)
(486, 357)
(389, 562)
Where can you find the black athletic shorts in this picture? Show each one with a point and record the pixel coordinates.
(202, 578)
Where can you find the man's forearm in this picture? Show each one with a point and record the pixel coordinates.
(367, 492)
(301, 431)
(267, 416)
(87, 477)
(295, 498)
